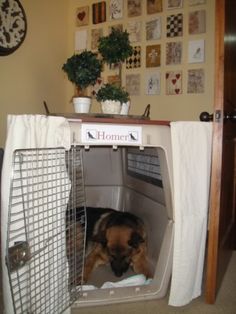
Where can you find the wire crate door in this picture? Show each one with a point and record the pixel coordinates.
(41, 279)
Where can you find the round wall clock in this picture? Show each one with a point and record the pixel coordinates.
(12, 26)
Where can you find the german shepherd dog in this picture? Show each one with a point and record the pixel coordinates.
(116, 238)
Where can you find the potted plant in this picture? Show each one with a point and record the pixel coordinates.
(112, 98)
(83, 70)
(114, 49)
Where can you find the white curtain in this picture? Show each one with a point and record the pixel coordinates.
(191, 148)
(26, 131)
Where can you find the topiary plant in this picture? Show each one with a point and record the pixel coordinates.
(112, 92)
(115, 47)
(83, 70)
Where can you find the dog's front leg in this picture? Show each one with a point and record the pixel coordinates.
(95, 258)
(141, 265)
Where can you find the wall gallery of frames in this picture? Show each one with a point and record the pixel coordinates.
(168, 37)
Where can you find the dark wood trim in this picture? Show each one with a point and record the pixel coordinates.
(215, 190)
(97, 118)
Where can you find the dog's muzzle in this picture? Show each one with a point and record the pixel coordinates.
(119, 267)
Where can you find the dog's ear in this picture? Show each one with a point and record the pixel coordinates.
(100, 238)
(135, 240)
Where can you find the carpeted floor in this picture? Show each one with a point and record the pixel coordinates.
(225, 302)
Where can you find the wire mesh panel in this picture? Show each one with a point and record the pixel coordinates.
(75, 222)
(144, 166)
(39, 236)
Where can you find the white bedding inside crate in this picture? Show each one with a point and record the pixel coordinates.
(134, 280)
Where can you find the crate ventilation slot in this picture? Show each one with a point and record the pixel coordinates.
(144, 167)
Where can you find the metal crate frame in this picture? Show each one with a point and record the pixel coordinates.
(45, 241)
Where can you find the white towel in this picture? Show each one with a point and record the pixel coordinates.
(135, 280)
(26, 131)
(191, 147)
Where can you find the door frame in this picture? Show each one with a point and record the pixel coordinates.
(218, 249)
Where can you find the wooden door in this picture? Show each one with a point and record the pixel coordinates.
(222, 194)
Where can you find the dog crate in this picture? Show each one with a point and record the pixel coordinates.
(125, 167)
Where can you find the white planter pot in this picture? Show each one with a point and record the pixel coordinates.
(82, 104)
(125, 108)
(111, 106)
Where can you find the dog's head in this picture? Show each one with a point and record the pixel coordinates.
(120, 244)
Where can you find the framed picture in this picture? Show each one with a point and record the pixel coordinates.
(174, 4)
(81, 38)
(82, 16)
(99, 12)
(174, 25)
(154, 6)
(95, 35)
(153, 29)
(174, 83)
(196, 52)
(153, 83)
(173, 53)
(134, 29)
(134, 8)
(133, 84)
(116, 9)
(196, 81)
(114, 79)
(153, 56)
(134, 61)
(197, 22)
(96, 87)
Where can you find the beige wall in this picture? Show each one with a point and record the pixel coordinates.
(33, 72)
(181, 107)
